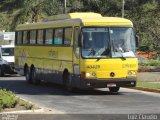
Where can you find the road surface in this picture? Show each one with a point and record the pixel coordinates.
(99, 101)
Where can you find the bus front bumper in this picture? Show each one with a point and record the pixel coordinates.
(104, 83)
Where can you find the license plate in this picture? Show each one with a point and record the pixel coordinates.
(111, 85)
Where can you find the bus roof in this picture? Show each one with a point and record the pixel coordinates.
(73, 16)
(77, 19)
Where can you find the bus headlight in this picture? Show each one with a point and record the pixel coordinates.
(88, 75)
(132, 73)
(91, 74)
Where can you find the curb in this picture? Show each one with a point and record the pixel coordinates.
(146, 89)
(24, 111)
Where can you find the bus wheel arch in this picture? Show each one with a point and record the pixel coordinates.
(65, 74)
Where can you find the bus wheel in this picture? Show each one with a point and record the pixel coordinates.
(1, 72)
(27, 75)
(114, 89)
(69, 83)
(34, 77)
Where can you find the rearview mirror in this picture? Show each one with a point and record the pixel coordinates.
(137, 41)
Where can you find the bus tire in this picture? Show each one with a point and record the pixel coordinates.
(27, 75)
(114, 89)
(69, 83)
(67, 78)
(1, 72)
(34, 77)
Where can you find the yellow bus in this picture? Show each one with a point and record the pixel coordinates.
(78, 50)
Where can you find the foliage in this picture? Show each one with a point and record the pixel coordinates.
(143, 48)
(145, 14)
(25, 104)
(7, 99)
(150, 63)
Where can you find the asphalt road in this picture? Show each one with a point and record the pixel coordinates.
(99, 101)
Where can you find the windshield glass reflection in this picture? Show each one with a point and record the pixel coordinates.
(123, 42)
(108, 42)
(95, 42)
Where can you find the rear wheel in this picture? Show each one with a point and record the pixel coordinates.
(114, 89)
(34, 77)
(27, 75)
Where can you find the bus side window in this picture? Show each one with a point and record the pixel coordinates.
(76, 37)
(58, 36)
(19, 38)
(40, 37)
(25, 40)
(33, 37)
(49, 37)
(67, 36)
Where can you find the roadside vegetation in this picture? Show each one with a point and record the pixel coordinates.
(143, 13)
(8, 101)
(150, 63)
(150, 85)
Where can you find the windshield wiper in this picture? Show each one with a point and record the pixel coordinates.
(121, 52)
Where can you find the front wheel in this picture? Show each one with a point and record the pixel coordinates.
(68, 82)
(114, 89)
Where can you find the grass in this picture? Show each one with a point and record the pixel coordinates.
(150, 85)
(150, 63)
(25, 104)
(9, 100)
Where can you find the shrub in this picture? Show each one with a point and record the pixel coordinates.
(150, 63)
(7, 99)
(25, 104)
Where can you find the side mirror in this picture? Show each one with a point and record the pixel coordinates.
(137, 41)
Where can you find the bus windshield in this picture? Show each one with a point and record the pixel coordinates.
(108, 42)
(7, 51)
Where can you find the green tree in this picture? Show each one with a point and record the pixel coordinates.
(3, 22)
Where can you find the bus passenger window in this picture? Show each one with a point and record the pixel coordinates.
(40, 37)
(49, 37)
(33, 37)
(58, 37)
(25, 40)
(67, 36)
(19, 37)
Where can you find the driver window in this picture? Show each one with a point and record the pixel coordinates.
(87, 40)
